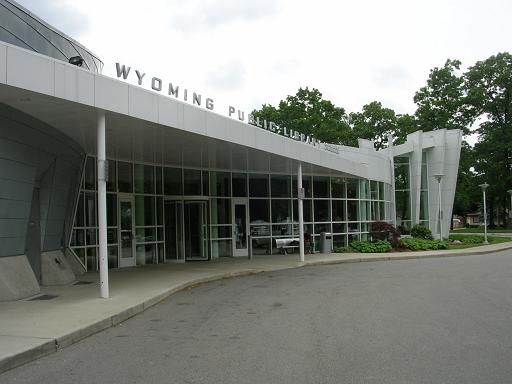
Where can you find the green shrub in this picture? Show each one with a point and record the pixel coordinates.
(421, 232)
(415, 244)
(380, 230)
(380, 246)
(467, 239)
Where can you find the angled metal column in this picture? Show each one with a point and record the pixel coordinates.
(300, 197)
(102, 205)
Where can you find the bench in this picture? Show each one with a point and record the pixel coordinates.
(285, 244)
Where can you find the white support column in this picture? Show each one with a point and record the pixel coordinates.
(102, 205)
(300, 197)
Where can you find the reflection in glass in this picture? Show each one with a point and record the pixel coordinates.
(124, 177)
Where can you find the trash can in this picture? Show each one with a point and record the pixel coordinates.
(325, 242)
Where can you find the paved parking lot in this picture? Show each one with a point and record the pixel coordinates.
(410, 321)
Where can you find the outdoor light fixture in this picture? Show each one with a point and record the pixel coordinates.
(439, 177)
(484, 186)
(76, 60)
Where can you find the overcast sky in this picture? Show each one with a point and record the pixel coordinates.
(248, 52)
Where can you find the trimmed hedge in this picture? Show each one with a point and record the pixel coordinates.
(415, 244)
(421, 232)
(380, 246)
(467, 239)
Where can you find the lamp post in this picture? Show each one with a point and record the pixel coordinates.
(439, 177)
(510, 212)
(484, 186)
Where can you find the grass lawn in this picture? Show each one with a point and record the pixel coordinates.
(480, 230)
(492, 240)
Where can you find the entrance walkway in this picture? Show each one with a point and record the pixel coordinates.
(32, 328)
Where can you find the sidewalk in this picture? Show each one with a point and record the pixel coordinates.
(31, 329)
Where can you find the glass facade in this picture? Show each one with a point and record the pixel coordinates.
(403, 194)
(423, 219)
(342, 206)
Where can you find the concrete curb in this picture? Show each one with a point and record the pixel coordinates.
(52, 345)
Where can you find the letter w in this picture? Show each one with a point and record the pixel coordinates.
(122, 70)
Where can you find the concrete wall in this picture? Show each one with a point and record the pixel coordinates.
(32, 154)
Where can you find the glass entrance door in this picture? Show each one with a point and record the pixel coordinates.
(196, 230)
(186, 230)
(240, 226)
(126, 235)
(174, 231)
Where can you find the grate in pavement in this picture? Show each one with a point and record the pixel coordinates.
(43, 297)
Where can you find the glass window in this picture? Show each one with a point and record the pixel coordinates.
(158, 180)
(352, 188)
(173, 184)
(111, 210)
(320, 186)
(364, 191)
(424, 205)
(306, 184)
(111, 182)
(239, 181)
(374, 190)
(258, 185)
(306, 211)
(220, 184)
(338, 210)
(402, 173)
(321, 210)
(280, 186)
(159, 211)
(90, 209)
(382, 196)
(124, 177)
(144, 178)
(281, 211)
(403, 203)
(221, 231)
(364, 211)
(339, 227)
(192, 182)
(80, 211)
(145, 210)
(424, 176)
(112, 257)
(206, 183)
(337, 187)
(319, 228)
(221, 211)
(259, 211)
(352, 210)
(222, 248)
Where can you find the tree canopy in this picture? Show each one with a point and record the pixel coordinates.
(478, 100)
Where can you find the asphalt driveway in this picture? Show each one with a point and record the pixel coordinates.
(411, 321)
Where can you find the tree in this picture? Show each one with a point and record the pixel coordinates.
(307, 112)
(374, 123)
(489, 98)
(467, 194)
(442, 102)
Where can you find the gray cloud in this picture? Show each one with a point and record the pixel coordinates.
(391, 76)
(59, 14)
(227, 77)
(212, 13)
